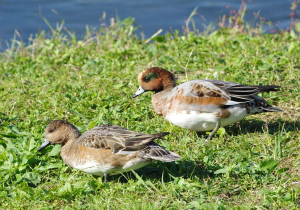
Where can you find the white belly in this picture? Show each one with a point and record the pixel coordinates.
(193, 120)
(197, 121)
(98, 169)
(94, 168)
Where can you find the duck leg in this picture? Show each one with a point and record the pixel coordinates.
(218, 125)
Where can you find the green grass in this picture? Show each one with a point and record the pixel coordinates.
(253, 165)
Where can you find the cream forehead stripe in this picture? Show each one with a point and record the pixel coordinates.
(140, 77)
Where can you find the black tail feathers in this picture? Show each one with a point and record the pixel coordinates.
(268, 88)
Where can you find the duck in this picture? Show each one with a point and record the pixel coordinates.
(105, 149)
(201, 104)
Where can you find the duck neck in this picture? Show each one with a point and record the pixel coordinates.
(169, 81)
(68, 146)
(66, 151)
(166, 85)
(160, 101)
(70, 137)
(169, 85)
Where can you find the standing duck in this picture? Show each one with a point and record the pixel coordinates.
(202, 105)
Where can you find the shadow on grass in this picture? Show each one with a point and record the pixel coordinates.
(157, 170)
(196, 169)
(259, 126)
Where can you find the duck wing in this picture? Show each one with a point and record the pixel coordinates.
(242, 93)
(117, 138)
(223, 93)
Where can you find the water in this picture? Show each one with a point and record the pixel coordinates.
(169, 15)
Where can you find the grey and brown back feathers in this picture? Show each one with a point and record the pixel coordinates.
(123, 141)
(248, 94)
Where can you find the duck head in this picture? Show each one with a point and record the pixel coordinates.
(155, 79)
(59, 132)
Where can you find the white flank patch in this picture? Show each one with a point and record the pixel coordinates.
(197, 121)
(99, 169)
(237, 114)
(94, 168)
(135, 164)
(230, 102)
(125, 152)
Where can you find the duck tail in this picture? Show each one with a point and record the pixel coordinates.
(160, 135)
(268, 88)
(261, 105)
(157, 152)
(272, 109)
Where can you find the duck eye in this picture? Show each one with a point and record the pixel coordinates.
(149, 77)
(51, 130)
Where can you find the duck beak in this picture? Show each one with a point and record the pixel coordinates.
(139, 91)
(44, 144)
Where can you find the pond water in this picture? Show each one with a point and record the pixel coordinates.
(25, 16)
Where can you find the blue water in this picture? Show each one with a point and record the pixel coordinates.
(169, 15)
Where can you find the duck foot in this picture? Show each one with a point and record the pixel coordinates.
(105, 177)
(218, 125)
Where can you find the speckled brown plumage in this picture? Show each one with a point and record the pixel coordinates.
(106, 149)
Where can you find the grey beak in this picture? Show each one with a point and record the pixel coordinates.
(44, 144)
(139, 91)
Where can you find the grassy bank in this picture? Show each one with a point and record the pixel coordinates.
(255, 164)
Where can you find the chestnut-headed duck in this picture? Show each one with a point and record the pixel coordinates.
(105, 149)
(202, 105)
